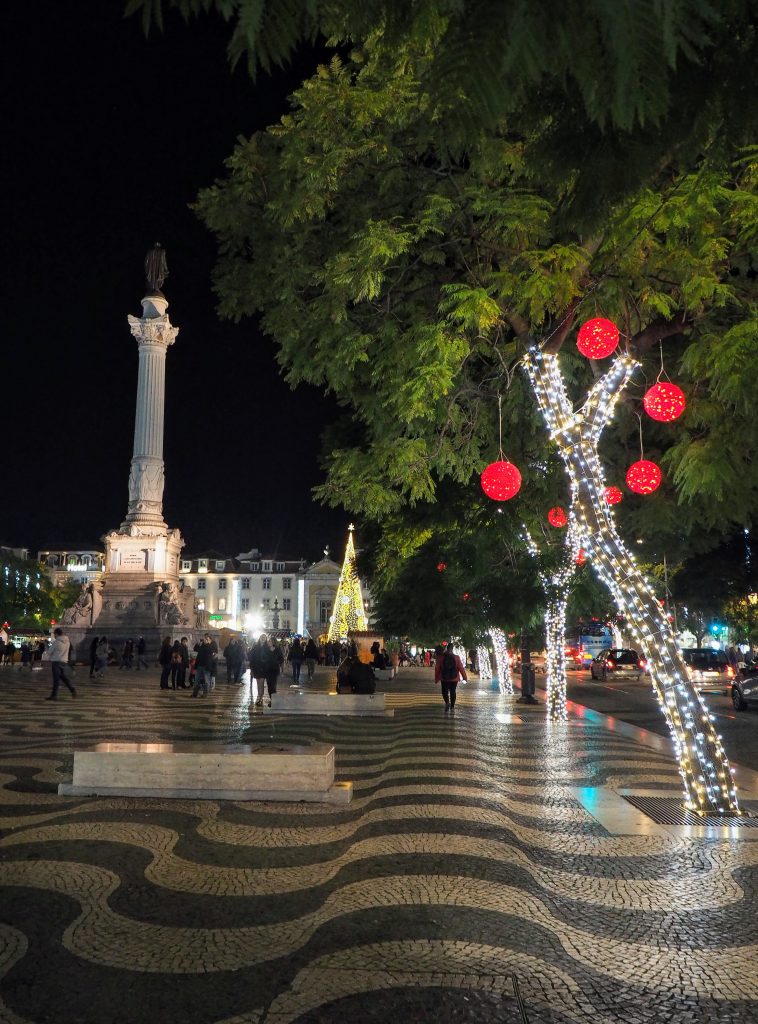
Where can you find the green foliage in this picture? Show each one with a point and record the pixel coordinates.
(27, 595)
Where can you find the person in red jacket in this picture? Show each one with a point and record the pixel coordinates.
(447, 671)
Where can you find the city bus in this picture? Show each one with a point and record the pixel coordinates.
(590, 639)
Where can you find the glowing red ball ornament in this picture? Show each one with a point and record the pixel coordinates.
(613, 495)
(643, 477)
(664, 402)
(441, 566)
(597, 338)
(466, 597)
(580, 558)
(557, 517)
(501, 480)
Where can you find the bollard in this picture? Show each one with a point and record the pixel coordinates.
(527, 684)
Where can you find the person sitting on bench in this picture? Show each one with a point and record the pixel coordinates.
(354, 676)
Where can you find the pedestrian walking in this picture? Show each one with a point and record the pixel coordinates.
(93, 656)
(164, 660)
(58, 655)
(447, 671)
(101, 657)
(177, 659)
(127, 655)
(141, 649)
(295, 658)
(311, 657)
(181, 675)
(264, 668)
(26, 656)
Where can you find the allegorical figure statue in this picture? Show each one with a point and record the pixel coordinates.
(81, 611)
(156, 267)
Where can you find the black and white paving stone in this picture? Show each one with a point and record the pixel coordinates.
(464, 860)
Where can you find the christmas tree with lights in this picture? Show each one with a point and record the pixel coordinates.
(348, 614)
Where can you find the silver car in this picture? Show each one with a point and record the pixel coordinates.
(709, 670)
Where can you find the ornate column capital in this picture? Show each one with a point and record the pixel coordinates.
(153, 330)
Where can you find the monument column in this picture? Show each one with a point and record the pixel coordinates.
(154, 334)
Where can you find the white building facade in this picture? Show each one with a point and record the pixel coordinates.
(255, 592)
(73, 565)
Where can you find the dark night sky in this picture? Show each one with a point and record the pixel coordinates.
(108, 138)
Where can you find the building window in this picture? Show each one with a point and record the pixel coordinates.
(286, 603)
(222, 584)
(267, 566)
(245, 604)
(201, 606)
(202, 565)
(286, 624)
(201, 584)
(255, 566)
(220, 565)
(286, 583)
(246, 584)
(222, 604)
(267, 583)
(279, 566)
(186, 566)
(324, 611)
(266, 602)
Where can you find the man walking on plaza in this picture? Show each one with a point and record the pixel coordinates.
(58, 655)
(447, 671)
(141, 648)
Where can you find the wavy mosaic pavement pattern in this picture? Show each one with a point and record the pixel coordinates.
(463, 857)
(694, 889)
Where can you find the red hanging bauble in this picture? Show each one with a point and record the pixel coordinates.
(441, 566)
(466, 597)
(580, 558)
(597, 338)
(613, 495)
(643, 477)
(557, 517)
(664, 402)
(501, 480)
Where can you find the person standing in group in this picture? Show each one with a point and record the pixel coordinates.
(164, 660)
(58, 655)
(447, 671)
(93, 656)
(264, 668)
(26, 656)
(141, 647)
(204, 659)
(181, 675)
(311, 657)
(177, 658)
(295, 658)
(101, 657)
(232, 654)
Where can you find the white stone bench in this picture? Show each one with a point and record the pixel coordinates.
(303, 702)
(385, 674)
(208, 771)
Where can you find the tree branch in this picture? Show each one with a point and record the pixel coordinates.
(656, 331)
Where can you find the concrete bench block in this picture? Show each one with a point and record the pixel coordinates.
(207, 771)
(302, 702)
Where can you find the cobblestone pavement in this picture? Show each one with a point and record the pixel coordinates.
(463, 862)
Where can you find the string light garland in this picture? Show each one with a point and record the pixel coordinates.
(557, 517)
(643, 477)
(704, 767)
(348, 614)
(613, 495)
(502, 660)
(597, 338)
(664, 402)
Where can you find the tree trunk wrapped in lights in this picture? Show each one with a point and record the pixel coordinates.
(705, 770)
(483, 665)
(556, 586)
(502, 660)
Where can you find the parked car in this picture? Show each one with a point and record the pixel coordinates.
(617, 661)
(709, 670)
(745, 688)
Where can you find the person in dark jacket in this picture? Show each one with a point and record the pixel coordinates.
(264, 668)
(141, 647)
(93, 655)
(295, 658)
(311, 657)
(448, 670)
(181, 675)
(205, 659)
(164, 660)
(176, 663)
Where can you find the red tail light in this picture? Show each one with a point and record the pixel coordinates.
(643, 663)
(610, 663)
(730, 672)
